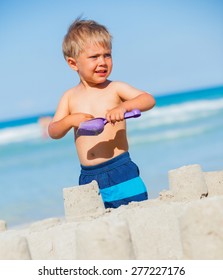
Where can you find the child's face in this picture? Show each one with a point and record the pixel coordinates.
(94, 65)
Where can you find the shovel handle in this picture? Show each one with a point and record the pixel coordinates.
(135, 113)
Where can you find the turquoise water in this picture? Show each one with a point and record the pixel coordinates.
(183, 129)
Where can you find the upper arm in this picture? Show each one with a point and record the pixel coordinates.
(127, 92)
(62, 108)
(134, 98)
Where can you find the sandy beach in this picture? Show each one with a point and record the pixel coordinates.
(184, 222)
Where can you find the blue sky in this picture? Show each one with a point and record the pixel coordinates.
(160, 46)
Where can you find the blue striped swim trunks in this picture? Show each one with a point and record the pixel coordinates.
(118, 180)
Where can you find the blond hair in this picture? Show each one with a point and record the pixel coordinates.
(81, 32)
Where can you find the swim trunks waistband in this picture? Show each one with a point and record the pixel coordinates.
(107, 165)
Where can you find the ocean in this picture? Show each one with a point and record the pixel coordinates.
(183, 129)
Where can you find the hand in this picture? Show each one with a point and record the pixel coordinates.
(115, 115)
(81, 117)
(57, 129)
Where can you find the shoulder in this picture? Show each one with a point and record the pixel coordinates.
(119, 86)
(123, 88)
(70, 93)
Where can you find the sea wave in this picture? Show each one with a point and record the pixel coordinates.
(166, 135)
(164, 118)
(180, 113)
(20, 133)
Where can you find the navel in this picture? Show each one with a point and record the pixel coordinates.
(92, 155)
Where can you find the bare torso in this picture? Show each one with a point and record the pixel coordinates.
(112, 141)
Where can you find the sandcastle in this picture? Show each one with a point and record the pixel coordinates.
(184, 222)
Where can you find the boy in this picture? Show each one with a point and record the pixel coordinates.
(104, 158)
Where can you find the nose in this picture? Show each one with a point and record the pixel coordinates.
(101, 60)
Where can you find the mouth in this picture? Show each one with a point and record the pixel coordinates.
(101, 71)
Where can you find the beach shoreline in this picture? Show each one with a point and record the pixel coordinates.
(182, 223)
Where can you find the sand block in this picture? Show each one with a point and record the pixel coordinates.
(155, 231)
(53, 243)
(187, 183)
(104, 239)
(83, 202)
(202, 230)
(44, 224)
(214, 182)
(166, 195)
(14, 248)
(3, 225)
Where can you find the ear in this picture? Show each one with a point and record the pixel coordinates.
(72, 63)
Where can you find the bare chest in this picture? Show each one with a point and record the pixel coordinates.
(96, 104)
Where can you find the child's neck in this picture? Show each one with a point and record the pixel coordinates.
(87, 85)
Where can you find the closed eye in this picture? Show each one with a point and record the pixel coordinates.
(107, 55)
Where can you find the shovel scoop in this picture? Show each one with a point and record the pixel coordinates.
(96, 126)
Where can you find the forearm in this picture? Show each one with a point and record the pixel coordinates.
(143, 102)
(58, 129)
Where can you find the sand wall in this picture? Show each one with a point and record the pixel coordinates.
(184, 222)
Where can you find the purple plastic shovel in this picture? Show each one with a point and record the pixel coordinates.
(96, 126)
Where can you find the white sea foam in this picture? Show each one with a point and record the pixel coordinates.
(179, 113)
(20, 133)
(166, 135)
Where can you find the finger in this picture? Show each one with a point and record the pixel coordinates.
(113, 118)
(122, 116)
(108, 117)
(88, 116)
(118, 117)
